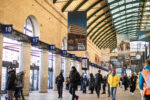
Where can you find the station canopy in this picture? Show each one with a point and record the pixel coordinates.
(107, 18)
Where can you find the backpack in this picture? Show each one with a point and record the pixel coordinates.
(17, 80)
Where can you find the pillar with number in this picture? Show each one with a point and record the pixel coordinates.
(57, 69)
(24, 65)
(1, 56)
(43, 86)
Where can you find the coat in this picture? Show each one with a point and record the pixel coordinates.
(11, 81)
(74, 79)
(91, 83)
(113, 80)
(59, 80)
(98, 80)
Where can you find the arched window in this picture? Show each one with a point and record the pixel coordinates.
(28, 27)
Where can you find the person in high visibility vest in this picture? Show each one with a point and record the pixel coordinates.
(144, 81)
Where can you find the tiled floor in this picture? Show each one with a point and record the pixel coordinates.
(52, 95)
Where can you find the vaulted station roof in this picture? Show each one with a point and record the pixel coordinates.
(107, 18)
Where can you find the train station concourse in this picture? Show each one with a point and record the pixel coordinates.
(74, 49)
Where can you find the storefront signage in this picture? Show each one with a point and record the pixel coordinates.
(64, 52)
(52, 47)
(7, 29)
(34, 40)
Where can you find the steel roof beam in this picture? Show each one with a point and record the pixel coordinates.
(97, 18)
(122, 5)
(107, 32)
(93, 5)
(66, 5)
(102, 31)
(80, 5)
(105, 6)
(99, 24)
(108, 43)
(100, 28)
(106, 39)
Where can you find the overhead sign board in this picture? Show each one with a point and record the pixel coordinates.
(144, 35)
(34, 40)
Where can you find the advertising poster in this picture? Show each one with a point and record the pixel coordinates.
(144, 35)
(77, 31)
(85, 63)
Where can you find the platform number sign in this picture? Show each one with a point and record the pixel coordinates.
(64, 52)
(7, 29)
(52, 47)
(34, 40)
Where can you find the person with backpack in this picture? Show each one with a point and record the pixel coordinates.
(144, 81)
(19, 85)
(98, 81)
(91, 83)
(59, 82)
(125, 82)
(10, 85)
(74, 81)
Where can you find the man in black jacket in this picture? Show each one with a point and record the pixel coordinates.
(59, 82)
(74, 81)
(10, 87)
(98, 81)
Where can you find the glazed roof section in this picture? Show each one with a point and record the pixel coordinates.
(106, 18)
(100, 29)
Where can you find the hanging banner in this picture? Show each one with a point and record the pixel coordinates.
(34, 40)
(143, 35)
(7, 29)
(77, 31)
(85, 63)
(79, 59)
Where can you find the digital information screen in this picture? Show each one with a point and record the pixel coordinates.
(85, 63)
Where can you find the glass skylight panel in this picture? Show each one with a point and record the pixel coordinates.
(116, 15)
(121, 2)
(109, 1)
(114, 11)
(136, 4)
(122, 13)
(129, 6)
(128, 11)
(127, 1)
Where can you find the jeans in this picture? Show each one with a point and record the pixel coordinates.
(113, 92)
(60, 90)
(18, 92)
(72, 92)
(97, 89)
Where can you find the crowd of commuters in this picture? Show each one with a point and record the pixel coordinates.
(15, 83)
(111, 81)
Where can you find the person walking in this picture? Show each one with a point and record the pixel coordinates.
(133, 83)
(74, 81)
(59, 82)
(108, 83)
(125, 82)
(19, 85)
(67, 83)
(113, 80)
(84, 83)
(144, 81)
(91, 83)
(98, 81)
(104, 84)
(10, 85)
